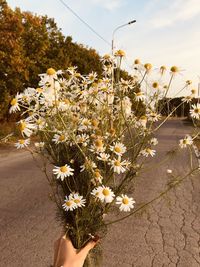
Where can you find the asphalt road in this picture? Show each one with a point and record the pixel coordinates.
(165, 234)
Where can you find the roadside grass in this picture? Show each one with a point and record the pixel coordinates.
(8, 132)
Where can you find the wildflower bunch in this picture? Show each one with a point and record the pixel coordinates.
(97, 132)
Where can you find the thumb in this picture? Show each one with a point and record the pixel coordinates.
(84, 251)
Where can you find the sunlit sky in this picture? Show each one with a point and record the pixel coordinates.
(167, 32)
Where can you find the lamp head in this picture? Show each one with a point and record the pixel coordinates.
(132, 21)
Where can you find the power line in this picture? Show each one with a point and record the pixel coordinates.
(85, 23)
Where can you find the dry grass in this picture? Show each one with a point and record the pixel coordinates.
(8, 131)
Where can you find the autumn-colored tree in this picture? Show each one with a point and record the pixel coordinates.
(30, 44)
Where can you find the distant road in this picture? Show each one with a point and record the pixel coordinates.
(166, 234)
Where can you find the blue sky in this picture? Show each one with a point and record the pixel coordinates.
(167, 32)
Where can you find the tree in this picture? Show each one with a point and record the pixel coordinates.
(30, 44)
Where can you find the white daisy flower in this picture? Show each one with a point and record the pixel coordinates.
(140, 96)
(39, 90)
(88, 165)
(40, 123)
(84, 124)
(118, 148)
(155, 85)
(69, 204)
(39, 144)
(125, 202)
(127, 106)
(63, 171)
(169, 171)
(63, 106)
(26, 128)
(91, 77)
(148, 151)
(104, 193)
(22, 143)
(97, 177)
(78, 200)
(103, 157)
(98, 146)
(48, 77)
(119, 166)
(82, 139)
(14, 104)
(143, 121)
(153, 116)
(183, 143)
(153, 141)
(195, 111)
(187, 98)
(59, 138)
(28, 95)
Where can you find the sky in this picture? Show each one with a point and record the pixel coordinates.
(167, 32)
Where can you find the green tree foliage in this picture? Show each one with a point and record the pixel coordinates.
(30, 44)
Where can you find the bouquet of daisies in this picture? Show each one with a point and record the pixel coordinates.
(96, 132)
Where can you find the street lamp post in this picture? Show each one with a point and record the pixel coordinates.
(119, 27)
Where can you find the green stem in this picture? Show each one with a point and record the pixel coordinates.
(154, 199)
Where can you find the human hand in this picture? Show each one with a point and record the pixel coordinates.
(66, 255)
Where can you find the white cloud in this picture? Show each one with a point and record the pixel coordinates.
(108, 4)
(175, 11)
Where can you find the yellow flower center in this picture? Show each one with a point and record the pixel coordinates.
(155, 85)
(51, 71)
(106, 192)
(68, 203)
(86, 122)
(148, 150)
(66, 101)
(63, 169)
(39, 90)
(188, 82)
(174, 69)
(22, 126)
(139, 93)
(77, 201)
(185, 141)
(61, 137)
(21, 141)
(106, 56)
(125, 201)
(39, 121)
(137, 61)
(97, 174)
(120, 53)
(104, 89)
(98, 143)
(95, 123)
(143, 118)
(81, 140)
(91, 78)
(13, 102)
(148, 66)
(117, 149)
(193, 91)
(117, 163)
(197, 110)
(24, 98)
(162, 69)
